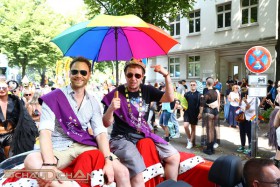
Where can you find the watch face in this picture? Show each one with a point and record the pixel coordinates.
(110, 158)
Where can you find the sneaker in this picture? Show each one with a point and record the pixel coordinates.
(247, 151)
(240, 149)
(177, 135)
(190, 145)
(216, 145)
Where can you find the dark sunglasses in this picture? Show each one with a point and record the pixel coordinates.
(193, 85)
(82, 72)
(27, 94)
(130, 75)
(3, 88)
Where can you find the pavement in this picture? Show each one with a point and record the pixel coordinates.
(230, 142)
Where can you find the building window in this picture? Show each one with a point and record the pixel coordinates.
(194, 67)
(174, 67)
(194, 22)
(249, 11)
(175, 26)
(224, 15)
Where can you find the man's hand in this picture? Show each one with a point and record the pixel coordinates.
(115, 104)
(199, 116)
(108, 172)
(160, 69)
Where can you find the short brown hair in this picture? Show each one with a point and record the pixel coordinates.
(81, 59)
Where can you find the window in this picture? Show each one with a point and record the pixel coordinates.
(224, 15)
(194, 66)
(174, 67)
(175, 26)
(249, 11)
(194, 22)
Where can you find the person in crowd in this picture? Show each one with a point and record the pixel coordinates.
(234, 99)
(191, 115)
(243, 87)
(260, 172)
(230, 81)
(271, 94)
(209, 110)
(165, 117)
(181, 89)
(236, 80)
(127, 114)
(27, 96)
(63, 138)
(248, 106)
(226, 102)
(218, 85)
(15, 124)
(34, 108)
(274, 132)
(173, 119)
(152, 113)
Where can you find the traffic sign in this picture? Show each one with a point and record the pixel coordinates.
(257, 59)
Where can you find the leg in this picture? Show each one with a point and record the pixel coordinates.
(172, 166)
(193, 133)
(210, 133)
(35, 161)
(187, 130)
(121, 174)
(242, 131)
(129, 156)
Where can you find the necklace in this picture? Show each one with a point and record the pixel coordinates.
(138, 125)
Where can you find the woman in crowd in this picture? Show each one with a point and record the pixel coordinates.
(244, 89)
(274, 133)
(248, 105)
(234, 99)
(209, 110)
(34, 108)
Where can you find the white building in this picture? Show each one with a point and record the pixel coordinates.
(215, 39)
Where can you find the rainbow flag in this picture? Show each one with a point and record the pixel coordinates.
(253, 118)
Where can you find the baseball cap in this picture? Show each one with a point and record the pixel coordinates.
(134, 61)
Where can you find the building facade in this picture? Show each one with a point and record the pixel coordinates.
(215, 38)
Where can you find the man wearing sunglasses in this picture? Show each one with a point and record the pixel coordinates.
(67, 113)
(127, 111)
(261, 172)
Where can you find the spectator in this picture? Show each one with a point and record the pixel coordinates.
(234, 99)
(34, 108)
(230, 81)
(218, 85)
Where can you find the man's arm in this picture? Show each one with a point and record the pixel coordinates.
(168, 96)
(108, 117)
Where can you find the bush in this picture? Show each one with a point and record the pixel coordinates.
(266, 114)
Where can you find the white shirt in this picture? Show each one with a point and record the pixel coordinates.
(89, 114)
(251, 112)
(233, 96)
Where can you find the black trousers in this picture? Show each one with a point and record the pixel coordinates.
(245, 129)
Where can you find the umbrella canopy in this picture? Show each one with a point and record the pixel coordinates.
(116, 38)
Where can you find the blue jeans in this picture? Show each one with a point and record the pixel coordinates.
(226, 109)
(175, 122)
(164, 118)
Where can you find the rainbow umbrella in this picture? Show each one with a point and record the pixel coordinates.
(115, 38)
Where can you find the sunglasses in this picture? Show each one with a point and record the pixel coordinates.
(193, 85)
(82, 72)
(130, 75)
(3, 88)
(27, 94)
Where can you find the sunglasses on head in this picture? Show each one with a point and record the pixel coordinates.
(3, 88)
(82, 72)
(27, 94)
(130, 75)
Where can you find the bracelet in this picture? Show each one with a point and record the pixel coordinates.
(166, 75)
(49, 164)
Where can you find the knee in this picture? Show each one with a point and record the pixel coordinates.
(122, 173)
(137, 179)
(33, 161)
(174, 159)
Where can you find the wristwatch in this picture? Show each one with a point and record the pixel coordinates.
(109, 157)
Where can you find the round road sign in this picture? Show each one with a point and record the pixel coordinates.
(257, 59)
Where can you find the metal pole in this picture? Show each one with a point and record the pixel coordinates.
(117, 63)
(254, 134)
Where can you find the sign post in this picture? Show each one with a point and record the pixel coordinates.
(257, 60)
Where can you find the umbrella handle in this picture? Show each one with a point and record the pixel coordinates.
(116, 94)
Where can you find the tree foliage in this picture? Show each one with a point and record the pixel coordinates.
(26, 28)
(151, 11)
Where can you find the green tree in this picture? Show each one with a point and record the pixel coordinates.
(26, 28)
(151, 11)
